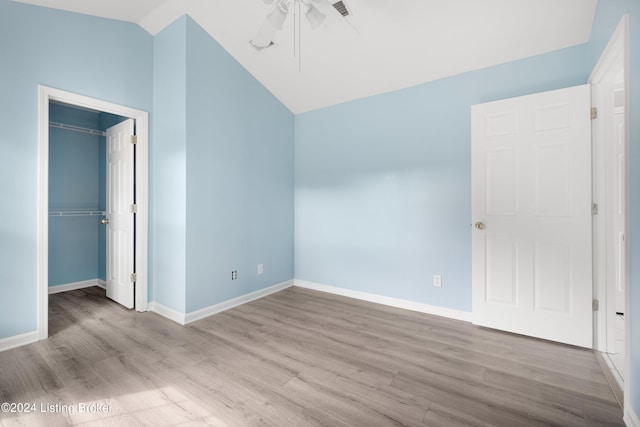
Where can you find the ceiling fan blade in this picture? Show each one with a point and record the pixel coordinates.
(265, 34)
(315, 17)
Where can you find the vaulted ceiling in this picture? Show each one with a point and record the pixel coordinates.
(382, 46)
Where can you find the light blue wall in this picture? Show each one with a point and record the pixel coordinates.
(383, 185)
(168, 167)
(608, 15)
(239, 178)
(223, 156)
(76, 183)
(74, 249)
(57, 49)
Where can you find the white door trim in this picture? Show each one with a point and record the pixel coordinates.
(617, 45)
(45, 95)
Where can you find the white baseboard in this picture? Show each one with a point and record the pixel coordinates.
(77, 285)
(187, 318)
(18, 340)
(631, 419)
(393, 302)
(243, 299)
(167, 312)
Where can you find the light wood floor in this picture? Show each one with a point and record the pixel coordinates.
(296, 358)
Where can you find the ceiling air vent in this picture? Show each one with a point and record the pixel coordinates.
(340, 7)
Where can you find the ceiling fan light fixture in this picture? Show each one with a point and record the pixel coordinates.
(279, 14)
(315, 17)
(322, 5)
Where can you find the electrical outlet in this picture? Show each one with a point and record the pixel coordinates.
(234, 274)
(437, 280)
(260, 269)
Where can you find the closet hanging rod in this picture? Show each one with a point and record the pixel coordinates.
(78, 213)
(77, 129)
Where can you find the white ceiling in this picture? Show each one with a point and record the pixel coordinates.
(385, 45)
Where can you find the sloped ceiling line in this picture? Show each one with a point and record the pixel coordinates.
(397, 43)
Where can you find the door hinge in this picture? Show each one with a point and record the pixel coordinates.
(594, 113)
(133, 277)
(594, 209)
(134, 139)
(596, 305)
(134, 208)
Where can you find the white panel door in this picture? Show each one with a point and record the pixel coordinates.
(120, 229)
(531, 207)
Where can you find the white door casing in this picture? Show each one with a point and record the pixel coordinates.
(45, 96)
(531, 190)
(120, 228)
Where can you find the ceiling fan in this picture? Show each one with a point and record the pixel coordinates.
(314, 11)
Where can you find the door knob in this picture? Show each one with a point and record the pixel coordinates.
(479, 225)
(104, 221)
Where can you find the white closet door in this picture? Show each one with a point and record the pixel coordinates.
(120, 229)
(531, 207)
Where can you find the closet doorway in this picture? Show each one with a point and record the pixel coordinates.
(92, 199)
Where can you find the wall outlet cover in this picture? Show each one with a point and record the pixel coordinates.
(437, 280)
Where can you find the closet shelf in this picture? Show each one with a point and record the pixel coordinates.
(77, 213)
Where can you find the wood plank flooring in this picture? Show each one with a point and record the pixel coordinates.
(295, 358)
